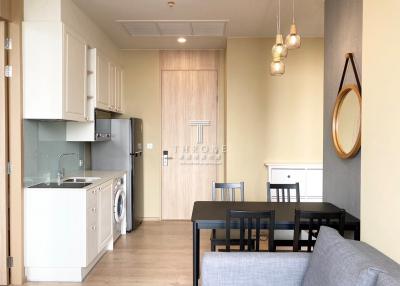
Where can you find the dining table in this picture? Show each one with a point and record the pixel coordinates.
(212, 215)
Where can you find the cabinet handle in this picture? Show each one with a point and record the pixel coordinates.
(93, 192)
(94, 210)
(93, 227)
(288, 176)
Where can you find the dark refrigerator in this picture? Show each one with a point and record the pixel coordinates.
(124, 152)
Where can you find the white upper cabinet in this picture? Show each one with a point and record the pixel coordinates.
(112, 76)
(103, 82)
(109, 85)
(119, 102)
(75, 76)
(54, 60)
(70, 68)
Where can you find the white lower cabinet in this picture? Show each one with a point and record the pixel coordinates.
(104, 224)
(309, 178)
(66, 231)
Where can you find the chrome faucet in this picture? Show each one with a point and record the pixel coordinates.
(61, 171)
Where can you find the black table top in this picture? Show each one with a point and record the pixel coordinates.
(211, 214)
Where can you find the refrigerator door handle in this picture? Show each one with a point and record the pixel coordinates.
(136, 154)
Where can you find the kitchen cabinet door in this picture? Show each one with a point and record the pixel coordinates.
(103, 82)
(105, 213)
(91, 225)
(112, 80)
(75, 76)
(118, 90)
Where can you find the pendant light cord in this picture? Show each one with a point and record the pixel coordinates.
(279, 16)
(293, 12)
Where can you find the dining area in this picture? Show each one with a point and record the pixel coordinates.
(281, 223)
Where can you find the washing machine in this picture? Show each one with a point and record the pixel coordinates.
(119, 208)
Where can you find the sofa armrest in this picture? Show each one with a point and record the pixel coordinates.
(257, 268)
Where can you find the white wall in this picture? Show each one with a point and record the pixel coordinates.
(380, 168)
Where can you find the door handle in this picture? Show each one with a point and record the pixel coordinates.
(166, 158)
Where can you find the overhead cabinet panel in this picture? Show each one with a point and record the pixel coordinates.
(75, 76)
(54, 72)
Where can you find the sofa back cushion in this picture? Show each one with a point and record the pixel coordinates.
(335, 261)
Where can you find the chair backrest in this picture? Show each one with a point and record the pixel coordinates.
(250, 220)
(227, 191)
(283, 192)
(312, 221)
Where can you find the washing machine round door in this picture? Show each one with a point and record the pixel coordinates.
(119, 206)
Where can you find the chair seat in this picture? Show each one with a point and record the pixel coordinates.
(287, 235)
(220, 234)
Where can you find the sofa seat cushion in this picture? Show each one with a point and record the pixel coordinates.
(335, 261)
(385, 279)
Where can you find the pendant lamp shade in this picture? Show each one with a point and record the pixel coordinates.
(293, 40)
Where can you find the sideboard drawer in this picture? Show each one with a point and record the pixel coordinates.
(309, 178)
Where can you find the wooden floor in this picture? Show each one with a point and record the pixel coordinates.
(158, 253)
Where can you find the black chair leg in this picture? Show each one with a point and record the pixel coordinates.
(213, 248)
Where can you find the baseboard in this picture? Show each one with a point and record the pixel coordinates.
(151, 219)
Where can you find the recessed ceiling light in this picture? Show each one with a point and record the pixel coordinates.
(181, 40)
(171, 3)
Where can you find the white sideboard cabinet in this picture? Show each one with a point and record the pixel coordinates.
(309, 176)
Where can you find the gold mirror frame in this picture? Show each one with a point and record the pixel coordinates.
(339, 101)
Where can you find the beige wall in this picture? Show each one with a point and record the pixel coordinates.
(271, 119)
(380, 169)
(256, 106)
(143, 100)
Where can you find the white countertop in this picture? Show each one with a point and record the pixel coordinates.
(103, 175)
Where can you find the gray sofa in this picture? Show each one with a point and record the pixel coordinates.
(335, 261)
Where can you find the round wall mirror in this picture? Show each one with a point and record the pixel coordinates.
(346, 122)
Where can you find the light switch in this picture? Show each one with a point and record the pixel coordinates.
(149, 146)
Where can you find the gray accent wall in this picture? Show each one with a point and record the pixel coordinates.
(343, 34)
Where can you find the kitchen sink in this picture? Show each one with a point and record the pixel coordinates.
(64, 185)
(81, 179)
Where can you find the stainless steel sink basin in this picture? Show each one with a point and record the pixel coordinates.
(64, 185)
(81, 179)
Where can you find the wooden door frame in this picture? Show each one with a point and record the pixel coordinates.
(4, 220)
(15, 107)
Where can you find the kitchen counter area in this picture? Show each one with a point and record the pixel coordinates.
(69, 229)
(91, 179)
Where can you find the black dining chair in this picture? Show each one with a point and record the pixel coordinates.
(312, 221)
(249, 221)
(284, 193)
(225, 192)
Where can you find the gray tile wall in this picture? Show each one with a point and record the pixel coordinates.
(343, 34)
(44, 141)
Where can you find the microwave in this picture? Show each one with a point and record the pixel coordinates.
(102, 125)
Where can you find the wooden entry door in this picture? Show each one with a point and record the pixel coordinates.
(189, 135)
(4, 236)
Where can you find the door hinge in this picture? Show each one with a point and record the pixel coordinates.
(8, 71)
(10, 262)
(8, 44)
(9, 168)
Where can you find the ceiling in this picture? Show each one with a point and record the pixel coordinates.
(122, 19)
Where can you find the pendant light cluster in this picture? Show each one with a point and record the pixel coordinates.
(280, 49)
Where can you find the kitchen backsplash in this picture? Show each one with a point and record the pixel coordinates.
(44, 141)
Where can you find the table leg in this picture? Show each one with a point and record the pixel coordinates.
(357, 230)
(196, 254)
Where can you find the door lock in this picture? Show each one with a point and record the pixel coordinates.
(166, 158)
